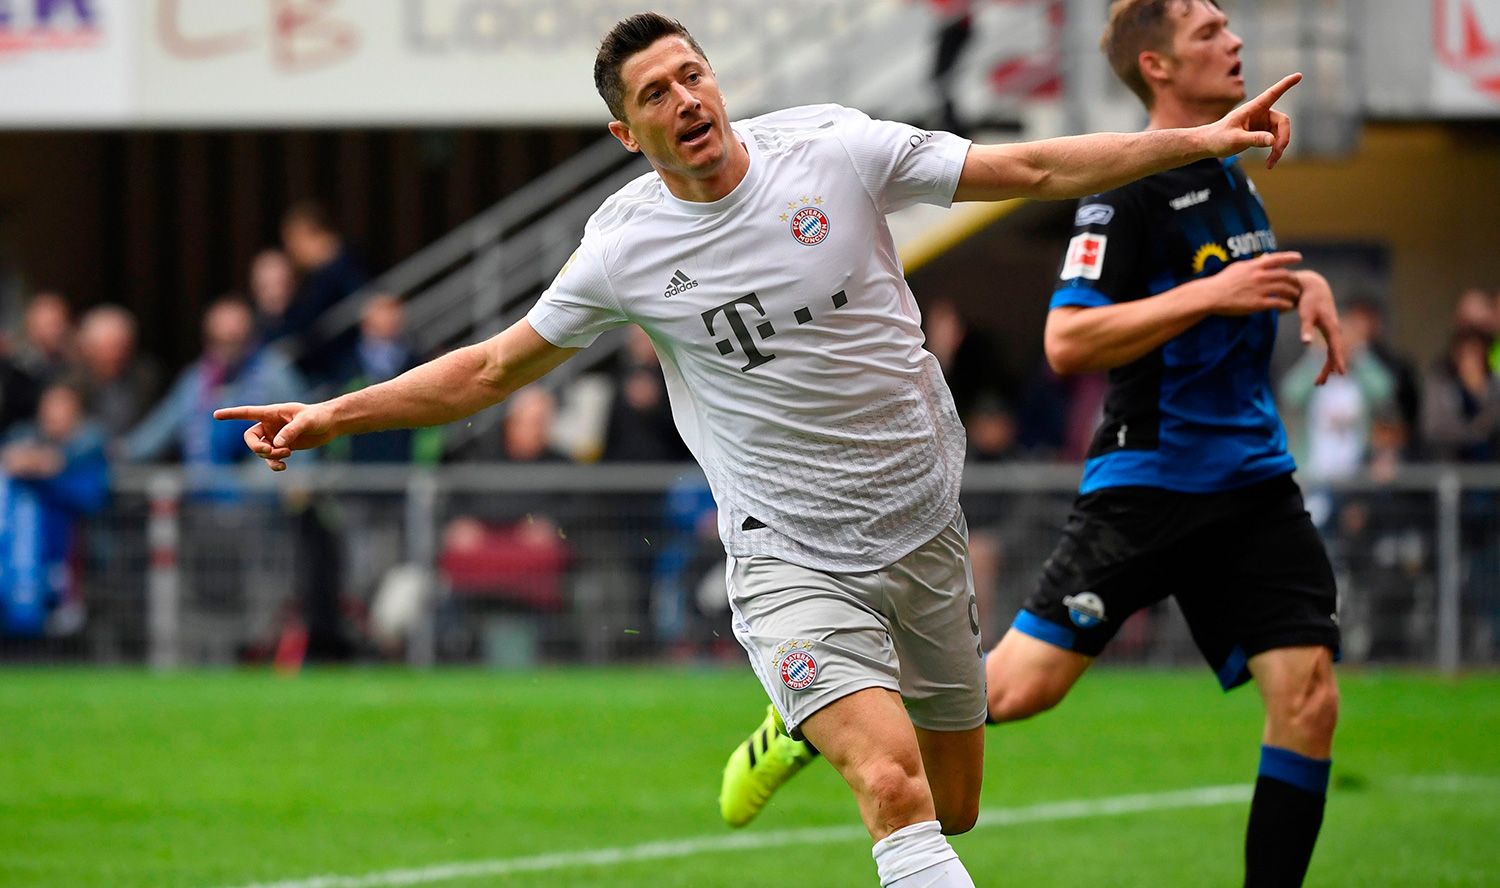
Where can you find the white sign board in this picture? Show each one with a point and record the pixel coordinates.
(66, 62)
(1466, 57)
(361, 61)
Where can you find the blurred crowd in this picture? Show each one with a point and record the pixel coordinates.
(78, 394)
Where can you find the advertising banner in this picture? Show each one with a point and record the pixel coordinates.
(65, 62)
(1466, 57)
(317, 62)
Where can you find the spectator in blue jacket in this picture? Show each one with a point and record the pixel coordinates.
(230, 370)
(52, 473)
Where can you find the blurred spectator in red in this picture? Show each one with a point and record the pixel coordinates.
(380, 353)
(230, 371)
(639, 426)
(46, 349)
(54, 472)
(509, 547)
(273, 283)
(1461, 402)
(117, 383)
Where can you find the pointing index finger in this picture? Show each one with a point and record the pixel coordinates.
(255, 413)
(1277, 90)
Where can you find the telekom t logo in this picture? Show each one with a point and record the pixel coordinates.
(741, 330)
(301, 34)
(740, 327)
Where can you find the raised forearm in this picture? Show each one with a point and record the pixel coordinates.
(1088, 340)
(442, 390)
(451, 387)
(1075, 166)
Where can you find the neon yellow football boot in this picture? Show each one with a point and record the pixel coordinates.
(758, 767)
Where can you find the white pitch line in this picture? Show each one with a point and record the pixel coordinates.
(1460, 783)
(1079, 809)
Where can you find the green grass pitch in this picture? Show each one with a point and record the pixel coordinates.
(343, 779)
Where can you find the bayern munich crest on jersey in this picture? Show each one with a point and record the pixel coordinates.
(798, 670)
(810, 226)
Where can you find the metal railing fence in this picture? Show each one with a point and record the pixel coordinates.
(518, 564)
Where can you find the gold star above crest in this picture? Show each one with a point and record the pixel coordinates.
(785, 217)
(791, 205)
(818, 201)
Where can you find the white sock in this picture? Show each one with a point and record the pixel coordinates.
(919, 856)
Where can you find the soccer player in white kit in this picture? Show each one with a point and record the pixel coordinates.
(757, 258)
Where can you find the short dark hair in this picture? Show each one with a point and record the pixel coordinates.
(310, 213)
(628, 37)
(1136, 26)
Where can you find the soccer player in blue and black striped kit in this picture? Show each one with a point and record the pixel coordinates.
(1174, 285)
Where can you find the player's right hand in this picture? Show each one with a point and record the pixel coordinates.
(282, 428)
(1250, 286)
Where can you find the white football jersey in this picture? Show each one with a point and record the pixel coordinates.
(791, 343)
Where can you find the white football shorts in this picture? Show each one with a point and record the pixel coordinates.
(912, 627)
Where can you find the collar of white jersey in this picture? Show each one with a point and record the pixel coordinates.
(733, 198)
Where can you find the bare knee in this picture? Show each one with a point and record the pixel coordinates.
(1318, 712)
(1304, 718)
(894, 792)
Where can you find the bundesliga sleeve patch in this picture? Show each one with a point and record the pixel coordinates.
(1085, 257)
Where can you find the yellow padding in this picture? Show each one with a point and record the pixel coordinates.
(966, 220)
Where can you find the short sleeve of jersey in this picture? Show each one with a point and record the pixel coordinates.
(1103, 263)
(899, 164)
(579, 305)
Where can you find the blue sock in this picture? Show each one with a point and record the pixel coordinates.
(1307, 774)
(1286, 814)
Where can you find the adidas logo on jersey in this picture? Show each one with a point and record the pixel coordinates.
(679, 284)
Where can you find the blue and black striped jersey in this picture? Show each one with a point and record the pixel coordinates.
(1197, 414)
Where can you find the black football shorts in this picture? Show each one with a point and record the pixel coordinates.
(1246, 566)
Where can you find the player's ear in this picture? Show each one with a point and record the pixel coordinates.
(622, 132)
(1156, 67)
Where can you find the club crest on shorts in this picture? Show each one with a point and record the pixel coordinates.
(1085, 609)
(798, 667)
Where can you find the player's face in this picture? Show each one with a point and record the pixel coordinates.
(1205, 66)
(675, 113)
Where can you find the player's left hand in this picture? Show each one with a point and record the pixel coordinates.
(1256, 124)
(1316, 310)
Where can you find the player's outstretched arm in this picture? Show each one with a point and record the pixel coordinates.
(1075, 166)
(1088, 340)
(459, 383)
